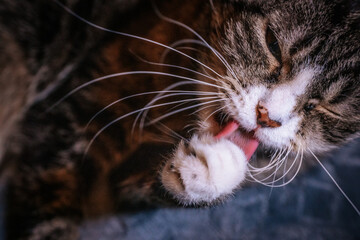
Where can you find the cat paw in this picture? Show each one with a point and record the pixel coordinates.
(58, 228)
(204, 170)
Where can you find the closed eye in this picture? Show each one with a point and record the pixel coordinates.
(273, 44)
(330, 112)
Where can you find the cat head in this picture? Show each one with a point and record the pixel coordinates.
(289, 70)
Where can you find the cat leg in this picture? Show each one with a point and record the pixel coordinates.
(55, 229)
(204, 170)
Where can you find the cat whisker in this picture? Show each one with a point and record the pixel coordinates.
(194, 125)
(170, 132)
(224, 116)
(272, 183)
(203, 108)
(279, 165)
(269, 165)
(176, 66)
(127, 74)
(162, 139)
(181, 110)
(174, 107)
(273, 162)
(216, 53)
(179, 105)
(155, 99)
(184, 101)
(334, 181)
(189, 48)
(273, 174)
(132, 36)
(212, 5)
(276, 162)
(137, 111)
(289, 169)
(215, 111)
(193, 41)
(284, 170)
(175, 45)
(295, 174)
(174, 93)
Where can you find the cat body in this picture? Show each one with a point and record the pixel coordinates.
(285, 72)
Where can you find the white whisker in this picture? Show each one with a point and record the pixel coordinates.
(172, 132)
(292, 178)
(175, 45)
(131, 36)
(203, 108)
(276, 163)
(129, 114)
(295, 174)
(336, 184)
(155, 99)
(176, 66)
(217, 54)
(215, 111)
(273, 162)
(126, 74)
(175, 93)
(180, 110)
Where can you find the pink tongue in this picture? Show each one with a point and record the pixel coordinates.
(245, 141)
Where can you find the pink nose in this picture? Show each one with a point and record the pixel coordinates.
(263, 119)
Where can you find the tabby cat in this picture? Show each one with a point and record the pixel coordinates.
(177, 106)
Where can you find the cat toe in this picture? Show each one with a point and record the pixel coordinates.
(204, 170)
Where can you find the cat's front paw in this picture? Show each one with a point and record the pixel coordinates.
(204, 170)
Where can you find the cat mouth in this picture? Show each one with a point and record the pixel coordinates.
(244, 140)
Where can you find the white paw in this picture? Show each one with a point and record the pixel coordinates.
(204, 170)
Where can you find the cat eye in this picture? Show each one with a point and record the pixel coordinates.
(273, 44)
(308, 107)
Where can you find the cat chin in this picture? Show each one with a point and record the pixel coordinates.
(204, 170)
(280, 137)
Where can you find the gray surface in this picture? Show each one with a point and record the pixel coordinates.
(311, 207)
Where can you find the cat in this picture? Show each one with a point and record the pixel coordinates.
(210, 84)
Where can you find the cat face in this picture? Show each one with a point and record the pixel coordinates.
(292, 70)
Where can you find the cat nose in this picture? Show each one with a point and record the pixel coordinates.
(263, 119)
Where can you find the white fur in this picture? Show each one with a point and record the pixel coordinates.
(280, 103)
(281, 136)
(246, 106)
(281, 100)
(217, 169)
